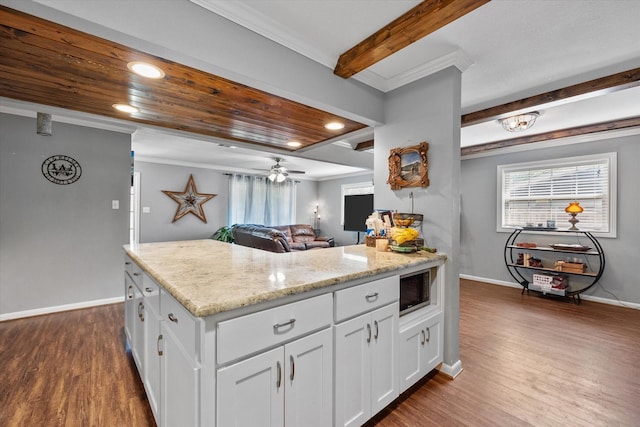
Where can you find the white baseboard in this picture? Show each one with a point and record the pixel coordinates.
(59, 308)
(492, 281)
(451, 371)
(582, 296)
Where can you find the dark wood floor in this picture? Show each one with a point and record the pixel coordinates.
(528, 361)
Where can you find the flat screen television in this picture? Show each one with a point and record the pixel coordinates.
(357, 208)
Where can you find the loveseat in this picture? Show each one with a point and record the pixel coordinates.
(281, 238)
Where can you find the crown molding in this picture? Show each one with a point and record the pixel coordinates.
(261, 24)
(458, 58)
(246, 16)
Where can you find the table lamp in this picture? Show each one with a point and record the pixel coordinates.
(573, 209)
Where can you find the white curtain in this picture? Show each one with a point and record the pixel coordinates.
(257, 200)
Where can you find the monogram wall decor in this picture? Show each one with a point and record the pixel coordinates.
(61, 170)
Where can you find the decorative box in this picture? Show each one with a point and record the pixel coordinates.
(371, 240)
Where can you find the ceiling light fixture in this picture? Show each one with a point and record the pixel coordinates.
(294, 144)
(520, 122)
(277, 176)
(125, 108)
(145, 69)
(334, 125)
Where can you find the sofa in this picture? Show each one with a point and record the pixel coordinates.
(281, 238)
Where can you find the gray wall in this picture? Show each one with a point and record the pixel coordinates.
(329, 197)
(482, 246)
(429, 110)
(157, 226)
(61, 244)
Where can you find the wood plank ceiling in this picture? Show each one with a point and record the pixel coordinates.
(47, 63)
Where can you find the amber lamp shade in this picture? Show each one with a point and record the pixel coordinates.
(573, 209)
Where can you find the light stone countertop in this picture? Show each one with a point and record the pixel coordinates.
(209, 277)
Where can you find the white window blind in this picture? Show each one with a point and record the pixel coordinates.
(535, 192)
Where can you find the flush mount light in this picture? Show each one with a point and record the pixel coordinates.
(294, 144)
(334, 126)
(520, 122)
(145, 69)
(125, 108)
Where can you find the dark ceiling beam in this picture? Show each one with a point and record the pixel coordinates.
(424, 19)
(365, 145)
(557, 134)
(592, 88)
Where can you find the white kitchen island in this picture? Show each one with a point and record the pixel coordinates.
(226, 335)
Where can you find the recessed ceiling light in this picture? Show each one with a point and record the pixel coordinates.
(334, 125)
(294, 144)
(125, 108)
(145, 69)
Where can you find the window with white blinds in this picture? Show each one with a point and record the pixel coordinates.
(532, 193)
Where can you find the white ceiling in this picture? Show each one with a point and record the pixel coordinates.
(507, 50)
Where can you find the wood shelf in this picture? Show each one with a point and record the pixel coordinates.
(551, 270)
(562, 251)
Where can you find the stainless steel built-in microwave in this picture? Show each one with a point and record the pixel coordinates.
(414, 291)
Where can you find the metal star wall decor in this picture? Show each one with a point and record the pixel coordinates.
(189, 201)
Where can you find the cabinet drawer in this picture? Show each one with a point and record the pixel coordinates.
(179, 321)
(151, 292)
(133, 269)
(248, 334)
(353, 301)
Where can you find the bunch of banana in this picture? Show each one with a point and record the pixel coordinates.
(402, 235)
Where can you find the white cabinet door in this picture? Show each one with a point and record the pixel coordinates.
(384, 357)
(433, 348)
(138, 345)
(366, 372)
(251, 392)
(309, 380)
(129, 309)
(151, 378)
(180, 383)
(421, 349)
(410, 366)
(353, 371)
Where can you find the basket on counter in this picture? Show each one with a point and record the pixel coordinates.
(407, 220)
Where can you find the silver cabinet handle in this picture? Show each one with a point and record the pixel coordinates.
(130, 292)
(428, 334)
(160, 352)
(289, 322)
(369, 329)
(375, 323)
(173, 318)
(423, 336)
(148, 290)
(141, 311)
(127, 263)
(279, 381)
(136, 274)
(372, 296)
(293, 367)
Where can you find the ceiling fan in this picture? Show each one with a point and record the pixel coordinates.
(279, 173)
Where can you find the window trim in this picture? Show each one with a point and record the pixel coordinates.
(611, 158)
